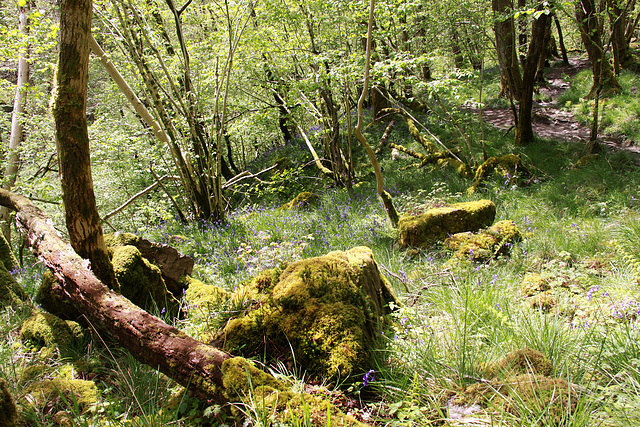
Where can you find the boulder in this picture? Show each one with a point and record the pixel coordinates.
(329, 311)
(47, 330)
(8, 409)
(439, 223)
(172, 264)
(485, 245)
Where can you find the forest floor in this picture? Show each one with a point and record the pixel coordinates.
(552, 122)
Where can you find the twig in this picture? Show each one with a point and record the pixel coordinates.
(137, 196)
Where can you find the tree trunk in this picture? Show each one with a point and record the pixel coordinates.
(618, 19)
(72, 139)
(591, 34)
(506, 47)
(150, 340)
(524, 130)
(563, 48)
(11, 169)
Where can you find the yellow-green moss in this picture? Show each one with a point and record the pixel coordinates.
(8, 409)
(82, 393)
(121, 239)
(141, 282)
(7, 256)
(11, 293)
(203, 296)
(252, 386)
(438, 223)
(533, 284)
(525, 361)
(47, 330)
(506, 166)
(544, 301)
(327, 309)
(551, 399)
(303, 200)
(482, 247)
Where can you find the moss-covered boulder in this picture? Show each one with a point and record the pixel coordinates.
(485, 245)
(172, 264)
(62, 392)
(533, 284)
(141, 281)
(46, 330)
(520, 383)
(329, 310)
(524, 361)
(244, 382)
(8, 409)
(11, 292)
(303, 200)
(7, 256)
(438, 223)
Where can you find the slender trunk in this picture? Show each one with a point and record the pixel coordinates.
(13, 161)
(563, 48)
(591, 34)
(618, 22)
(505, 44)
(72, 139)
(386, 197)
(524, 130)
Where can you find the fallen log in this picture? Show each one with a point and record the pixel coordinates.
(151, 341)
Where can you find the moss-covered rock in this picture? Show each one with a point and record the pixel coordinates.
(7, 256)
(11, 293)
(533, 284)
(8, 409)
(438, 223)
(49, 300)
(484, 246)
(544, 301)
(47, 330)
(525, 361)
(242, 380)
(508, 167)
(303, 200)
(141, 282)
(171, 263)
(328, 310)
(63, 393)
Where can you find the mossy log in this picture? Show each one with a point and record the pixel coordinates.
(435, 154)
(207, 371)
(508, 166)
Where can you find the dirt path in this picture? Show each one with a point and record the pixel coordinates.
(549, 121)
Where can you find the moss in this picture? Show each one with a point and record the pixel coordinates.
(301, 201)
(524, 395)
(82, 393)
(484, 246)
(525, 361)
(141, 282)
(253, 386)
(507, 166)
(544, 301)
(326, 309)
(438, 223)
(11, 293)
(49, 300)
(202, 295)
(121, 239)
(6, 255)
(8, 409)
(533, 284)
(47, 330)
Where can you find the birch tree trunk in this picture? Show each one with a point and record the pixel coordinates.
(13, 161)
(72, 139)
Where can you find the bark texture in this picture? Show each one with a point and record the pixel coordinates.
(150, 340)
(506, 47)
(72, 139)
(537, 48)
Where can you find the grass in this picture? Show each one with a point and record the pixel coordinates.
(581, 235)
